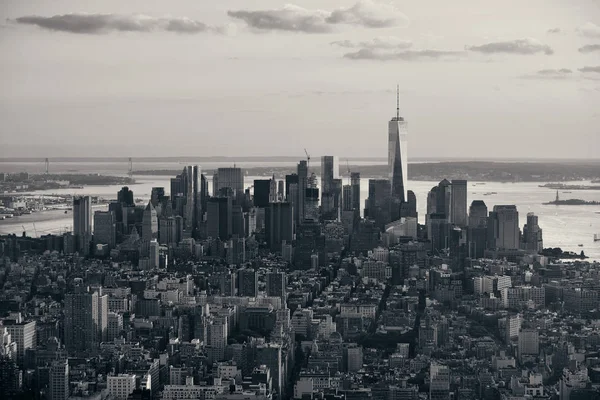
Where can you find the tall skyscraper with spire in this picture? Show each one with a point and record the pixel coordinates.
(397, 153)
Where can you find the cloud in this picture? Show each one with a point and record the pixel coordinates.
(103, 23)
(590, 69)
(555, 30)
(366, 13)
(519, 46)
(561, 71)
(589, 48)
(407, 55)
(388, 43)
(589, 29)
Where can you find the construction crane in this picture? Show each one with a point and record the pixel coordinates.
(307, 159)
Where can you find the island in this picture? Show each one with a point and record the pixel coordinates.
(562, 186)
(24, 182)
(572, 202)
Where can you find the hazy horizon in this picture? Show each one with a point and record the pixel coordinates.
(510, 79)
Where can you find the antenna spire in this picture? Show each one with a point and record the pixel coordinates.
(398, 102)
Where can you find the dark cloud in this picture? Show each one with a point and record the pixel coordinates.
(408, 55)
(366, 13)
(555, 30)
(103, 23)
(520, 46)
(561, 71)
(590, 69)
(589, 29)
(388, 43)
(589, 48)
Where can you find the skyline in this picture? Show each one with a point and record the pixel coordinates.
(292, 82)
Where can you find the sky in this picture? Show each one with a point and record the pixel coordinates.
(484, 79)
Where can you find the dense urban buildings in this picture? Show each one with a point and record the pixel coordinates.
(284, 289)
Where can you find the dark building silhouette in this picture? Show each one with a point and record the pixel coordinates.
(262, 189)
(247, 282)
(378, 207)
(125, 196)
(219, 218)
(279, 225)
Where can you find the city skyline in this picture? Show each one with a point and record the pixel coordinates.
(470, 82)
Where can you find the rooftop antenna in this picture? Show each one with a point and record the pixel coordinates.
(398, 102)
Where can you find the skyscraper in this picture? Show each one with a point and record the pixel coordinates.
(439, 382)
(330, 170)
(125, 196)
(262, 188)
(149, 223)
(279, 225)
(276, 285)
(105, 228)
(311, 199)
(197, 202)
(299, 210)
(82, 221)
(458, 202)
(81, 319)
(355, 183)
(477, 231)
(478, 213)
(232, 178)
(219, 217)
(247, 282)
(378, 203)
(397, 153)
(503, 228)
(532, 234)
(59, 380)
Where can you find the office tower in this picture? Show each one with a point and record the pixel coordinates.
(167, 234)
(503, 228)
(478, 214)
(408, 209)
(262, 188)
(154, 255)
(378, 202)
(236, 250)
(302, 185)
(219, 217)
(125, 196)
(290, 180)
(82, 221)
(149, 223)
(279, 225)
(238, 224)
(355, 183)
(329, 172)
(273, 190)
(196, 201)
(458, 202)
(443, 198)
(114, 326)
(276, 285)
(529, 342)
(457, 244)
(81, 319)
(281, 190)
(188, 216)
(10, 378)
(398, 154)
(352, 357)
(121, 386)
(247, 282)
(24, 335)
(177, 187)
(309, 241)
(217, 339)
(439, 382)
(532, 234)
(438, 232)
(311, 199)
(269, 354)
(105, 228)
(59, 380)
(232, 178)
(347, 198)
(157, 195)
(477, 232)
(203, 193)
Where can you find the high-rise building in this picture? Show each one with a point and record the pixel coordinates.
(273, 197)
(149, 223)
(262, 188)
(59, 380)
(532, 234)
(125, 196)
(529, 342)
(355, 183)
(157, 195)
(503, 228)
(458, 202)
(290, 180)
(232, 178)
(82, 325)
(188, 217)
(439, 382)
(302, 171)
(378, 203)
(219, 217)
(197, 202)
(270, 354)
(82, 221)
(105, 228)
(311, 199)
(279, 225)
(121, 386)
(398, 153)
(352, 357)
(24, 335)
(330, 171)
(478, 214)
(168, 230)
(276, 285)
(247, 282)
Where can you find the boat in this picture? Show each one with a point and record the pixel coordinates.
(580, 245)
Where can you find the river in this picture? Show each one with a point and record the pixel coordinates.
(563, 226)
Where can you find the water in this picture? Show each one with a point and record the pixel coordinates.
(563, 226)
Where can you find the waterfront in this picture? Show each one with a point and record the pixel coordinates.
(563, 226)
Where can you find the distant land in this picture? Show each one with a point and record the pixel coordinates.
(488, 171)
